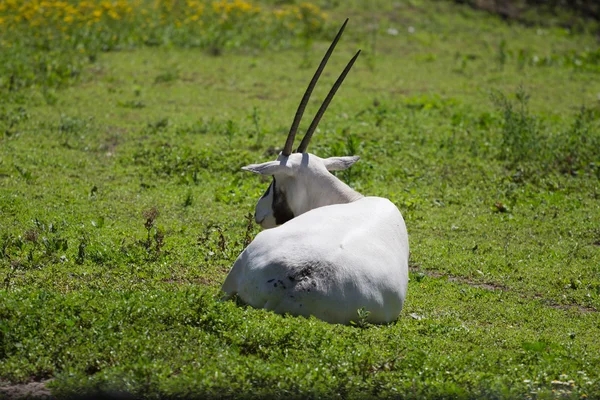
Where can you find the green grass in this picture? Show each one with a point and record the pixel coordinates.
(123, 206)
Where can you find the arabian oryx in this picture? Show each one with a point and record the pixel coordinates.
(331, 251)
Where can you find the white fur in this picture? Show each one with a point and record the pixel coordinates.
(341, 252)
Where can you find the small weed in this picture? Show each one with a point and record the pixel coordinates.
(500, 207)
(371, 53)
(39, 246)
(230, 131)
(503, 54)
(380, 112)
(577, 148)
(70, 128)
(522, 58)
(167, 76)
(189, 199)
(150, 215)
(306, 53)
(419, 276)
(31, 235)
(135, 104)
(201, 127)
(83, 243)
(25, 174)
(362, 320)
(520, 130)
(159, 125)
(463, 60)
(219, 244)
(155, 236)
(258, 132)
(54, 244)
(11, 118)
(159, 240)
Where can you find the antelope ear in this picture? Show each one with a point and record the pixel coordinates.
(268, 168)
(339, 163)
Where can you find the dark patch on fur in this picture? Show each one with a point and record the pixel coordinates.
(281, 208)
(310, 276)
(302, 274)
(278, 283)
(304, 278)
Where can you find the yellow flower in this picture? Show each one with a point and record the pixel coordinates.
(219, 6)
(242, 5)
(310, 7)
(68, 19)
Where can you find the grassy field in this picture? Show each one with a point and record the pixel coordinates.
(123, 206)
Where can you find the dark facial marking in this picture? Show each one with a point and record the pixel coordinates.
(281, 209)
(268, 190)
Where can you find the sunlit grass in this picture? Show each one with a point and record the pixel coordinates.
(123, 206)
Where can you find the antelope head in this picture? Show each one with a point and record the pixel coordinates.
(302, 181)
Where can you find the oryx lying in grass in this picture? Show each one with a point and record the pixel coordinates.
(331, 251)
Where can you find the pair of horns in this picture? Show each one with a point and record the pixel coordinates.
(287, 149)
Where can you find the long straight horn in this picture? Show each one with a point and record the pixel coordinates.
(289, 143)
(315, 122)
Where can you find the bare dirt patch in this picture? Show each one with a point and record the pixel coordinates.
(495, 286)
(31, 390)
(460, 279)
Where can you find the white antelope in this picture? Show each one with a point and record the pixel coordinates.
(331, 251)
